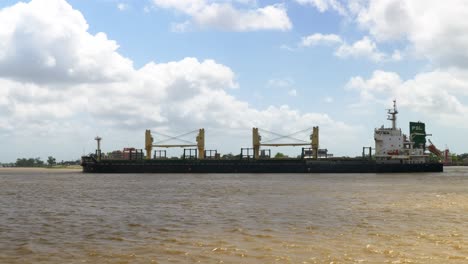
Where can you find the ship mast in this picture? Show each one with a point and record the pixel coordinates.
(98, 151)
(392, 115)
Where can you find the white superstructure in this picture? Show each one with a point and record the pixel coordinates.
(392, 146)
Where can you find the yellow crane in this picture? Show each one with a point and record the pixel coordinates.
(200, 139)
(256, 142)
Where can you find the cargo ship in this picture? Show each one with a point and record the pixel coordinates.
(394, 152)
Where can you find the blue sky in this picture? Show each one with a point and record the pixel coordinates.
(70, 70)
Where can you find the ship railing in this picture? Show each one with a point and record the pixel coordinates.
(212, 154)
(367, 153)
(247, 153)
(190, 154)
(160, 154)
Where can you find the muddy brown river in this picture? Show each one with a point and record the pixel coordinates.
(63, 216)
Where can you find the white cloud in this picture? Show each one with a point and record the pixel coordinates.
(247, 2)
(320, 39)
(48, 41)
(363, 48)
(85, 93)
(324, 5)
(434, 29)
(431, 29)
(287, 48)
(147, 9)
(122, 6)
(439, 93)
(396, 55)
(225, 16)
(381, 83)
(328, 99)
(181, 27)
(387, 19)
(292, 92)
(282, 83)
(428, 30)
(187, 6)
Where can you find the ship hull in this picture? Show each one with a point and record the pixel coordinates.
(252, 166)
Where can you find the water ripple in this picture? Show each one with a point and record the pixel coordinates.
(67, 217)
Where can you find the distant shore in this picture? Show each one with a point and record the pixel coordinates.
(40, 169)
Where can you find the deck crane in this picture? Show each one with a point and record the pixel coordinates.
(200, 143)
(443, 155)
(256, 142)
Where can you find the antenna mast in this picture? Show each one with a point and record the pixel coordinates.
(98, 151)
(392, 115)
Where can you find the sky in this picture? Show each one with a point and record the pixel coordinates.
(74, 69)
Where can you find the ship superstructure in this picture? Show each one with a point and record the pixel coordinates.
(392, 146)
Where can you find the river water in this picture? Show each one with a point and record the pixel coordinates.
(60, 216)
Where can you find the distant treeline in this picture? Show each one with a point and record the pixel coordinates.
(37, 162)
(457, 159)
(31, 162)
(461, 159)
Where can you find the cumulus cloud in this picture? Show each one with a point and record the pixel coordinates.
(47, 41)
(225, 16)
(175, 96)
(320, 39)
(381, 83)
(438, 93)
(180, 27)
(122, 6)
(328, 99)
(364, 48)
(324, 5)
(292, 92)
(87, 86)
(431, 29)
(397, 55)
(284, 83)
(434, 29)
(387, 19)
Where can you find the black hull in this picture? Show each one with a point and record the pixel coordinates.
(252, 166)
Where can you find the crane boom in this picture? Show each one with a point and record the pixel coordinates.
(256, 142)
(200, 143)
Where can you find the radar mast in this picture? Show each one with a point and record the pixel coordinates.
(392, 115)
